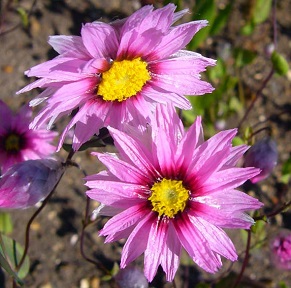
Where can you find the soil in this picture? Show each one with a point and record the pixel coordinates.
(54, 252)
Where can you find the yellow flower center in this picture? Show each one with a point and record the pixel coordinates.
(12, 143)
(123, 80)
(169, 197)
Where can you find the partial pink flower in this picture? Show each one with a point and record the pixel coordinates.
(17, 141)
(167, 188)
(130, 277)
(264, 155)
(29, 182)
(114, 73)
(280, 247)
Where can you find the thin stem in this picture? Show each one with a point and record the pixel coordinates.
(274, 213)
(85, 223)
(259, 92)
(246, 260)
(257, 96)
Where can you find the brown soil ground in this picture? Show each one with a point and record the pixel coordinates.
(54, 252)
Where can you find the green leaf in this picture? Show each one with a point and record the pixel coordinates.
(202, 285)
(12, 252)
(6, 225)
(220, 20)
(243, 57)
(236, 141)
(248, 29)
(24, 16)
(280, 63)
(282, 284)
(261, 10)
(204, 9)
(286, 171)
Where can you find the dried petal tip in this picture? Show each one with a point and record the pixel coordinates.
(29, 182)
(262, 155)
(280, 247)
(131, 277)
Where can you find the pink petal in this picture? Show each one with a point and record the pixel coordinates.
(176, 39)
(100, 40)
(171, 253)
(153, 253)
(137, 240)
(217, 239)
(71, 46)
(196, 245)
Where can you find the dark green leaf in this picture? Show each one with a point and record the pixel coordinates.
(204, 9)
(220, 20)
(243, 57)
(12, 252)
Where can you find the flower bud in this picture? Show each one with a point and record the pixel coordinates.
(262, 155)
(28, 182)
(280, 247)
(131, 277)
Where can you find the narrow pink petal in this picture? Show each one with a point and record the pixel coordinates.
(220, 217)
(182, 84)
(188, 143)
(155, 247)
(171, 254)
(124, 219)
(176, 39)
(196, 245)
(126, 190)
(231, 201)
(192, 64)
(217, 239)
(235, 155)
(228, 179)
(123, 170)
(157, 94)
(137, 240)
(100, 40)
(71, 46)
(131, 151)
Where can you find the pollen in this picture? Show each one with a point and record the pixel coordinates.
(12, 143)
(169, 197)
(123, 80)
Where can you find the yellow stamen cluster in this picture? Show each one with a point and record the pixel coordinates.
(123, 80)
(169, 197)
(12, 143)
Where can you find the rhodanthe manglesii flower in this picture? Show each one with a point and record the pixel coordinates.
(19, 143)
(28, 182)
(114, 73)
(169, 189)
(280, 247)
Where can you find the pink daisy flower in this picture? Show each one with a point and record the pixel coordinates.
(168, 189)
(19, 143)
(114, 73)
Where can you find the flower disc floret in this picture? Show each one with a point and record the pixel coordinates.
(123, 80)
(169, 197)
(12, 143)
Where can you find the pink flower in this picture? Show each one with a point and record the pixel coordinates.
(280, 247)
(19, 143)
(168, 189)
(114, 73)
(28, 182)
